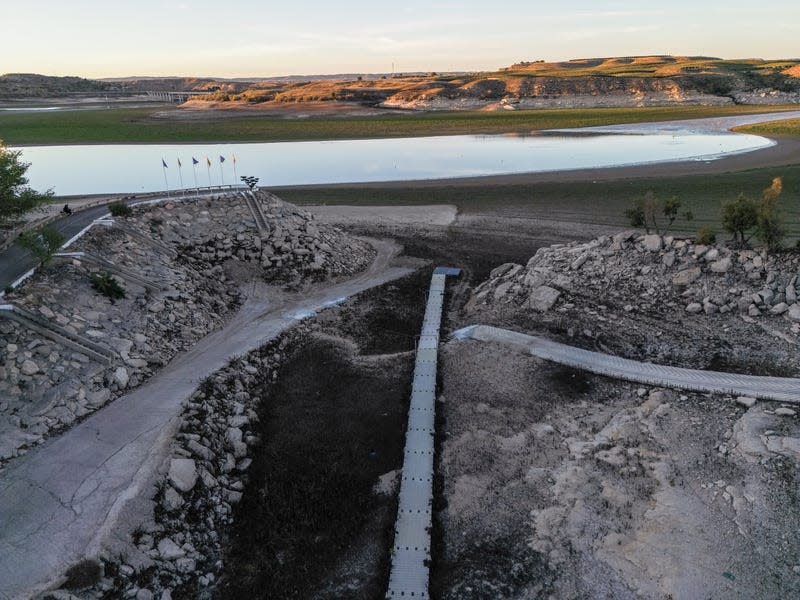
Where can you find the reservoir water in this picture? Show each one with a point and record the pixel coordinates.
(119, 168)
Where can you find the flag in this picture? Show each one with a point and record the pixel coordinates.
(208, 161)
(179, 163)
(164, 163)
(234, 158)
(221, 159)
(195, 161)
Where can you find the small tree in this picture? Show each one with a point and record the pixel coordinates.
(16, 197)
(650, 212)
(769, 221)
(740, 217)
(42, 243)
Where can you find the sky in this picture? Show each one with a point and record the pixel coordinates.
(249, 38)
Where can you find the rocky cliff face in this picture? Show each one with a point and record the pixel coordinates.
(565, 92)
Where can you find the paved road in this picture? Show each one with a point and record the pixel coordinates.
(15, 261)
(784, 389)
(58, 501)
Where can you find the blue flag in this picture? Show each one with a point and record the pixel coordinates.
(195, 161)
(164, 163)
(221, 159)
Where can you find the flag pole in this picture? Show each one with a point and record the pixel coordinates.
(164, 168)
(235, 175)
(208, 164)
(180, 174)
(194, 171)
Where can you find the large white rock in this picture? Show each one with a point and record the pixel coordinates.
(182, 473)
(794, 312)
(543, 298)
(686, 276)
(121, 377)
(653, 242)
(29, 367)
(721, 266)
(169, 550)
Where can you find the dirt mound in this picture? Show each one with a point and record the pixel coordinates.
(644, 297)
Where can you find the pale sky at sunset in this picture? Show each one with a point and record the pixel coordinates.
(230, 38)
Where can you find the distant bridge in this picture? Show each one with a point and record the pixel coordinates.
(176, 96)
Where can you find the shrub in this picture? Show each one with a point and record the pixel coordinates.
(705, 236)
(105, 284)
(42, 243)
(646, 213)
(739, 217)
(83, 575)
(769, 225)
(10, 288)
(119, 209)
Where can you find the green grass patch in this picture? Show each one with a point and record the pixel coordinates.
(139, 125)
(787, 127)
(600, 203)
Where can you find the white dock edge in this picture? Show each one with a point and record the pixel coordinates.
(411, 551)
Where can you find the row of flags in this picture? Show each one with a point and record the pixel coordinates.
(197, 162)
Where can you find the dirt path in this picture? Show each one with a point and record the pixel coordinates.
(60, 500)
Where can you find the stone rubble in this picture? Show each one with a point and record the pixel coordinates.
(46, 387)
(631, 288)
(178, 551)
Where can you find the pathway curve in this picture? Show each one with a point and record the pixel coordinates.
(784, 389)
(58, 501)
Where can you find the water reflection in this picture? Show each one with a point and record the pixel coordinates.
(138, 168)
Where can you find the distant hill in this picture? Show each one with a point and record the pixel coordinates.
(589, 82)
(31, 85)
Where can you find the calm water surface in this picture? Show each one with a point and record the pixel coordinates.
(137, 168)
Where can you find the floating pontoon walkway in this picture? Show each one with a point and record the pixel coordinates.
(411, 552)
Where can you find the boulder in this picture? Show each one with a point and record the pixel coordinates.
(653, 242)
(121, 377)
(182, 473)
(694, 308)
(169, 550)
(29, 367)
(794, 312)
(172, 500)
(686, 277)
(543, 298)
(779, 309)
(721, 266)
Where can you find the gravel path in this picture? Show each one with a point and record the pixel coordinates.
(58, 501)
(784, 389)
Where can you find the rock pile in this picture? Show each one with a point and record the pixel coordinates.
(178, 552)
(210, 233)
(45, 386)
(615, 284)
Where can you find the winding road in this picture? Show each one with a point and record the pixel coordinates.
(58, 501)
(783, 389)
